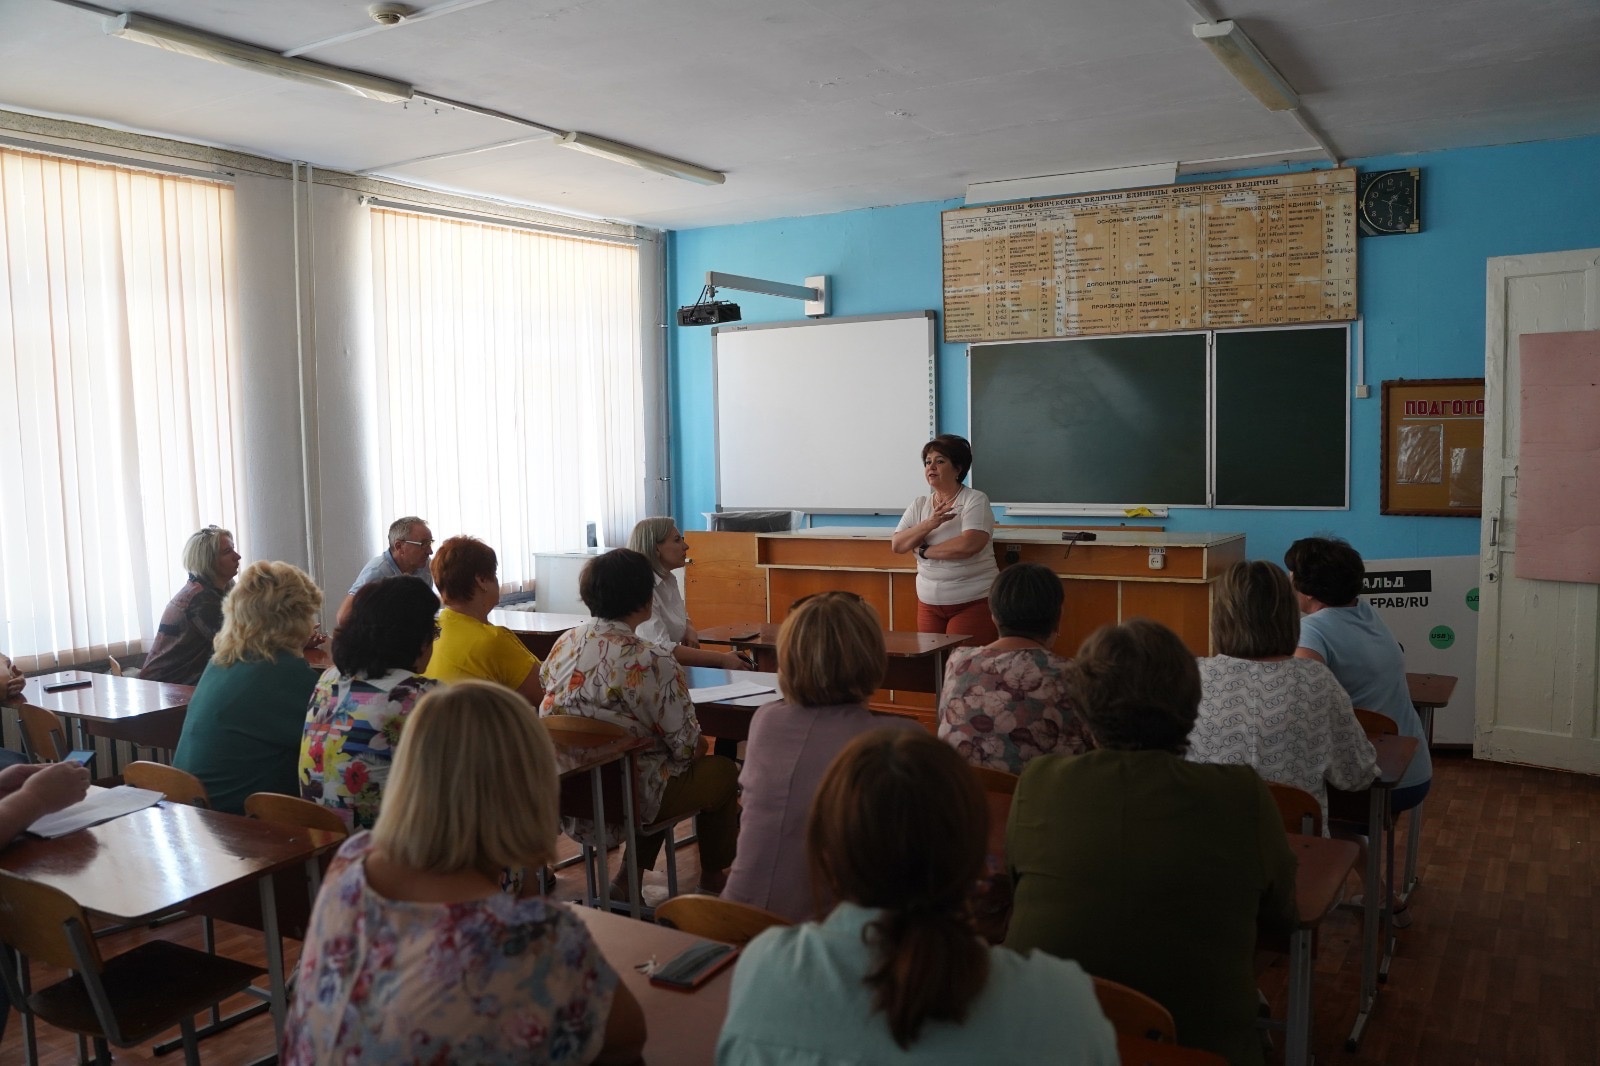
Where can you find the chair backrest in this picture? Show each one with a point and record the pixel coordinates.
(1299, 809)
(33, 920)
(113, 667)
(43, 734)
(1375, 724)
(292, 810)
(578, 725)
(177, 785)
(996, 780)
(1134, 1013)
(717, 919)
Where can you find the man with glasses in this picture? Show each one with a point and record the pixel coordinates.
(410, 548)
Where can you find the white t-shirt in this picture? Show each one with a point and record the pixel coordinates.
(948, 581)
(669, 615)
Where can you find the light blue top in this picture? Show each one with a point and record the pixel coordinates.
(798, 1000)
(1368, 662)
(382, 566)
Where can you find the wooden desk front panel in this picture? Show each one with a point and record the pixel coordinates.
(723, 585)
(1183, 608)
(833, 552)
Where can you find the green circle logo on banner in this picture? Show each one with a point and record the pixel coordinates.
(1472, 599)
(1441, 637)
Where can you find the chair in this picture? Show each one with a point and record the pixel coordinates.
(991, 902)
(577, 801)
(1133, 1013)
(292, 810)
(123, 1001)
(717, 919)
(177, 785)
(1375, 724)
(1135, 1051)
(44, 736)
(1299, 809)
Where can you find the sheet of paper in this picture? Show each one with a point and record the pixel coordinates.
(753, 701)
(100, 805)
(730, 692)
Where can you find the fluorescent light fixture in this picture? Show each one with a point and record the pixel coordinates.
(643, 158)
(1246, 63)
(993, 192)
(191, 42)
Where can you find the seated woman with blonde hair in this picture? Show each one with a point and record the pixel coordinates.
(414, 954)
(1261, 706)
(242, 731)
(668, 627)
(896, 973)
(830, 660)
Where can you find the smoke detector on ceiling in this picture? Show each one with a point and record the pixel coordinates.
(390, 14)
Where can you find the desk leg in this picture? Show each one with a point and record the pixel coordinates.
(1414, 831)
(602, 859)
(630, 830)
(1389, 935)
(1372, 913)
(1297, 1038)
(275, 984)
(938, 676)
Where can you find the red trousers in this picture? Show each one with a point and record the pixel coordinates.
(971, 619)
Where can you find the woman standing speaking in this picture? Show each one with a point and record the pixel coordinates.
(949, 529)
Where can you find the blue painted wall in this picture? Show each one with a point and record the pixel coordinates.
(1422, 298)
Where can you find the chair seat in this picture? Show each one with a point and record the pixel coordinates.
(151, 989)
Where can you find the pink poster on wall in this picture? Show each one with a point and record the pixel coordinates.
(1558, 469)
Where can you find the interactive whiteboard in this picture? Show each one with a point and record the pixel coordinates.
(827, 416)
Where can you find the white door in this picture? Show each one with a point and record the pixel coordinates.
(1538, 641)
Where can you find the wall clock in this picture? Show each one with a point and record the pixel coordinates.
(1388, 202)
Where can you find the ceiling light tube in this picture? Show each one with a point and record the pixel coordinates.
(1245, 62)
(640, 157)
(191, 42)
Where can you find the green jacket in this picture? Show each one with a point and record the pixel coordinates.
(1156, 873)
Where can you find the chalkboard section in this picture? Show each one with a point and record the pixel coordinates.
(1282, 423)
(1109, 421)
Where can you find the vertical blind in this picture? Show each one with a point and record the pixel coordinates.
(509, 383)
(119, 394)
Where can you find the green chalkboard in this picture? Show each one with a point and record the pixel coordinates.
(1281, 420)
(1250, 418)
(1107, 420)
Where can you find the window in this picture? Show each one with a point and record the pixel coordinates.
(118, 398)
(509, 383)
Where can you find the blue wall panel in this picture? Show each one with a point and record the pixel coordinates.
(1421, 297)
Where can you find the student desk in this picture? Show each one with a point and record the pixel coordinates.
(1321, 868)
(916, 660)
(538, 630)
(1394, 756)
(153, 862)
(1429, 692)
(684, 1026)
(591, 754)
(144, 713)
(729, 720)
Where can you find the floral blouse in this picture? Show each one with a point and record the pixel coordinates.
(1000, 709)
(351, 731)
(496, 980)
(603, 670)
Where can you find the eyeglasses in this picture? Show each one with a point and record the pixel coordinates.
(420, 543)
(855, 596)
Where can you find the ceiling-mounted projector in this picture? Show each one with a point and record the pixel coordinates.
(712, 313)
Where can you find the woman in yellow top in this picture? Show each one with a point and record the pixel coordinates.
(465, 571)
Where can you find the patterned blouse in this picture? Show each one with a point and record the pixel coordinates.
(1290, 719)
(603, 670)
(351, 732)
(496, 980)
(1002, 708)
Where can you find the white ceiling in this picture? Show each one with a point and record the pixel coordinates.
(814, 106)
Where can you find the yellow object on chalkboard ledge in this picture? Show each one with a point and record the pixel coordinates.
(1139, 512)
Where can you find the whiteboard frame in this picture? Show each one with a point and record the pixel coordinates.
(1070, 509)
(929, 316)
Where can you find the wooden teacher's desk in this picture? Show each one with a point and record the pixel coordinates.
(738, 579)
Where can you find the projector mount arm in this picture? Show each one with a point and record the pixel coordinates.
(814, 292)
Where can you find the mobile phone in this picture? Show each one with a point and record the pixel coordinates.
(62, 686)
(694, 966)
(82, 758)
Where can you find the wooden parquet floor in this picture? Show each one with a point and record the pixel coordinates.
(1499, 964)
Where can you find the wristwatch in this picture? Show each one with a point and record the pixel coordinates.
(922, 551)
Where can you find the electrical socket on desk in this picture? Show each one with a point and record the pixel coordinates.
(1013, 553)
(1158, 558)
